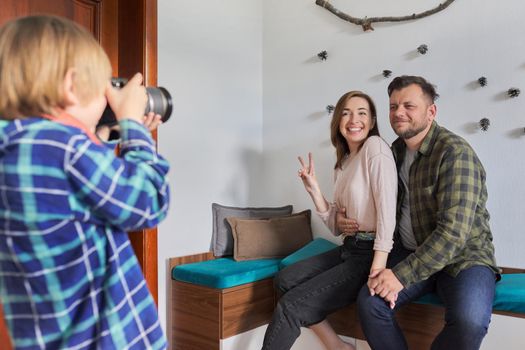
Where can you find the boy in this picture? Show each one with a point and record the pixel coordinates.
(68, 274)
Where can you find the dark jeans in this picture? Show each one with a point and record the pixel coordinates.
(315, 287)
(468, 301)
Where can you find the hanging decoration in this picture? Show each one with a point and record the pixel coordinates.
(422, 49)
(330, 109)
(482, 81)
(387, 73)
(366, 22)
(323, 55)
(513, 92)
(484, 124)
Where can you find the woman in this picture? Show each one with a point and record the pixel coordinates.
(365, 189)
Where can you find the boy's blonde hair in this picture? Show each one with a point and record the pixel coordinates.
(35, 54)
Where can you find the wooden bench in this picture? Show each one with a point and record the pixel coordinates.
(202, 316)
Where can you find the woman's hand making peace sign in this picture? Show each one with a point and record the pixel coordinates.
(307, 175)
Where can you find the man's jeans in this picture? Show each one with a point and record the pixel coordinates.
(468, 302)
(315, 287)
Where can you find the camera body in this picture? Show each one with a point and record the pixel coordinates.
(159, 102)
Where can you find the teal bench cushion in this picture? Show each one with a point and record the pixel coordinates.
(225, 272)
(510, 293)
(315, 247)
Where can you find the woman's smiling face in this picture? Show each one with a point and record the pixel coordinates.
(356, 122)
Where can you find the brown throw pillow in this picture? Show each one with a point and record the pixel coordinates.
(222, 237)
(270, 238)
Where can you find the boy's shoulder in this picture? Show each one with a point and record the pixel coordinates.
(41, 129)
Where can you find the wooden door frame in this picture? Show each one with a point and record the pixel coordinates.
(138, 53)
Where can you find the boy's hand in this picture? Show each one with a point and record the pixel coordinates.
(130, 101)
(152, 121)
(103, 132)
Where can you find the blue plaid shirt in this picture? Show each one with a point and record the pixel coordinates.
(69, 278)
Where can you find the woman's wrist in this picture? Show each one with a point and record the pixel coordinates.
(321, 205)
(379, 262)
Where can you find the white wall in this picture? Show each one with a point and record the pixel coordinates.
(471, 38)
(250, 95)
(210, 59)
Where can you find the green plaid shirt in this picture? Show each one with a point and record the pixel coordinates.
(447, 208)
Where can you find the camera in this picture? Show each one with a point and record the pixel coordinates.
(159, 102)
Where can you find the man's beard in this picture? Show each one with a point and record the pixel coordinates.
(411, 132)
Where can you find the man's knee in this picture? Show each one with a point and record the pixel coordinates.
(469, 324)
(370, 307)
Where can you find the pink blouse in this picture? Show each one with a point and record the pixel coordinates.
(367, 187)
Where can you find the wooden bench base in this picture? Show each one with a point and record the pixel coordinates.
(202, 316)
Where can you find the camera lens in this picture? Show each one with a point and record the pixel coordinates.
(159, 102)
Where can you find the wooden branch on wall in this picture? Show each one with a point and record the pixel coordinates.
(366, 22)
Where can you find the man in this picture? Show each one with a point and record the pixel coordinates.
(443, 238)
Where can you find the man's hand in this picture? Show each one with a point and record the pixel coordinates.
(345, 225)
(385, 284)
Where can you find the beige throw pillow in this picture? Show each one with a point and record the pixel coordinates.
(270, 238)
(222, 237)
